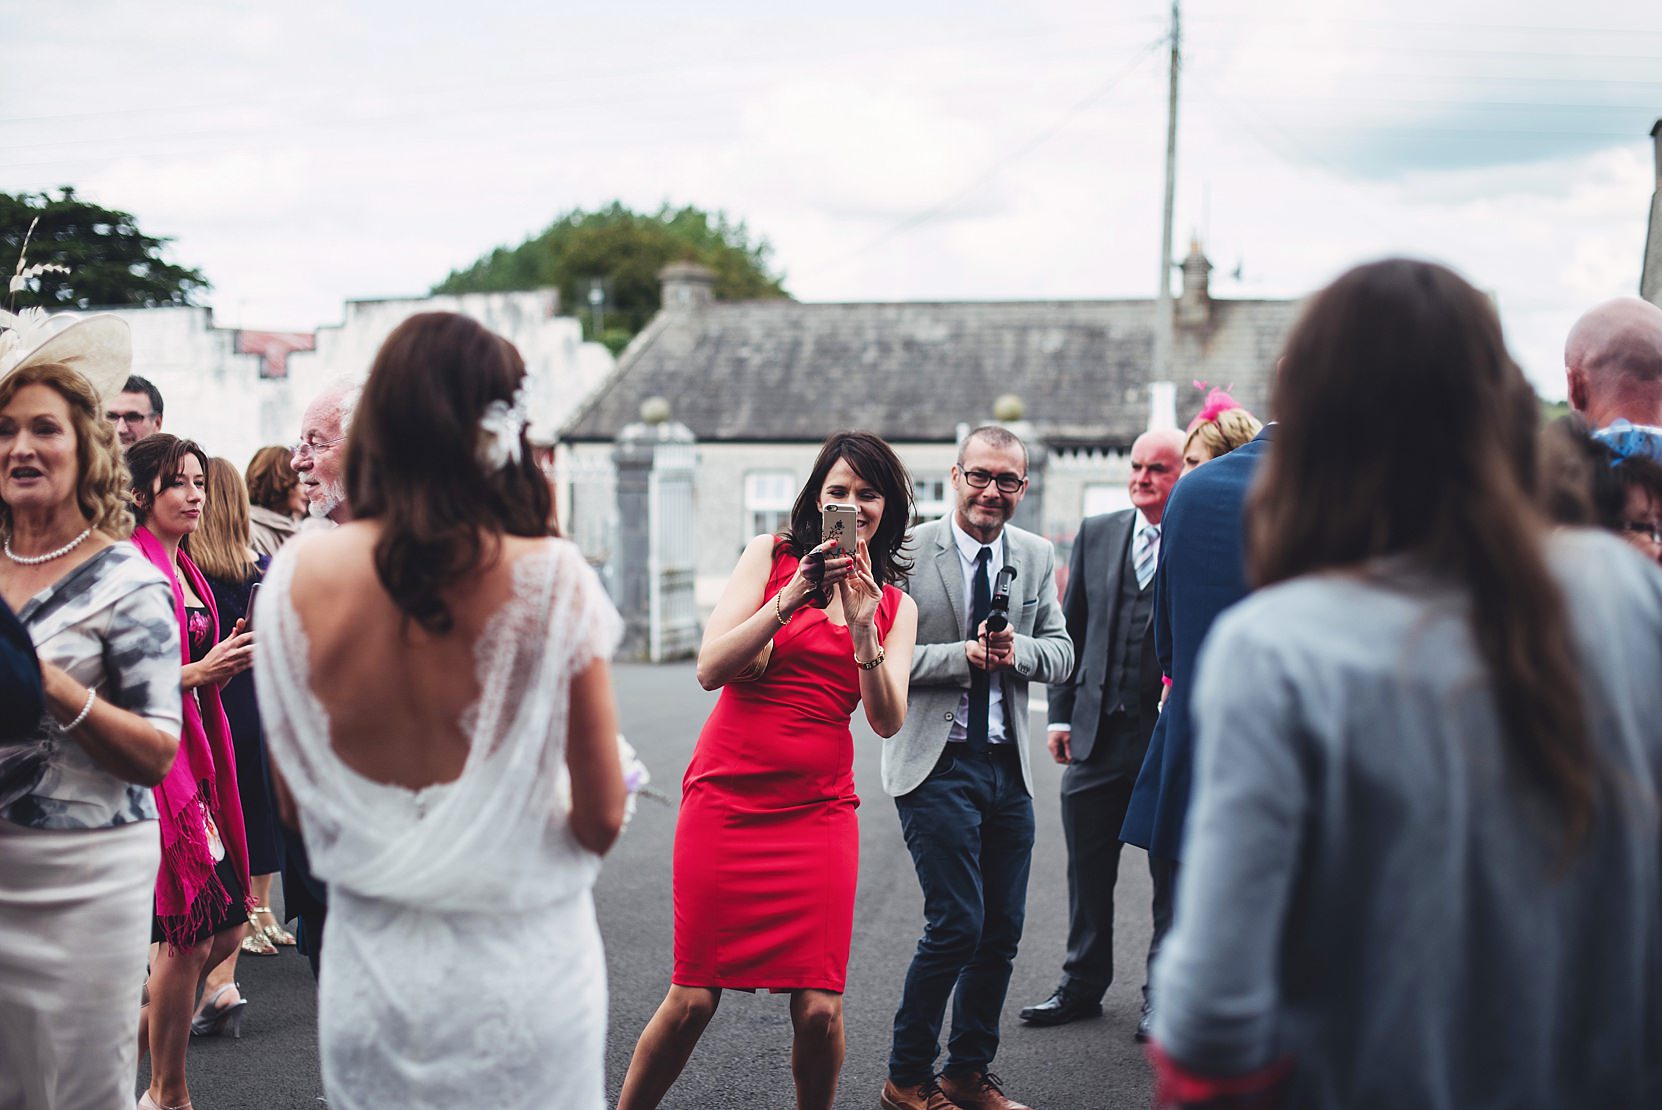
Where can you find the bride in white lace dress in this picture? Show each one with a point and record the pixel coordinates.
(437, 701)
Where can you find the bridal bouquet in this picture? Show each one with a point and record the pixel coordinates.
(635, 779)
(635, 775)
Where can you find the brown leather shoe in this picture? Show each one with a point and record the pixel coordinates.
(925, 1096)
(981, 1090)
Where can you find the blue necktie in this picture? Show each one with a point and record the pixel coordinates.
(981, 603)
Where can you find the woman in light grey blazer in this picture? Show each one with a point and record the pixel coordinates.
(1422, 865)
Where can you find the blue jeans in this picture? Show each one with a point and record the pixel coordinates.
(969, 827)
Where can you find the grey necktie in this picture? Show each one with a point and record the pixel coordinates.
(1144, 556)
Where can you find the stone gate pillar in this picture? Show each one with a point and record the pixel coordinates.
(656, 556)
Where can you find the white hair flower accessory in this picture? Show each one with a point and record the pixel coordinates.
(500, 427)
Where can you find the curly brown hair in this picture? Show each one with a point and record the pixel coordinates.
(101, 481)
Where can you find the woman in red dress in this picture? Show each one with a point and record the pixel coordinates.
(767, 846)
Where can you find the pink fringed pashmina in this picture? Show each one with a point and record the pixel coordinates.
(203, 781)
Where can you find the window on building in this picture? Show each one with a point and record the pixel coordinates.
(768, 496)
(929, 499)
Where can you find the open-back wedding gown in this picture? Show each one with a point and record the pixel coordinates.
(462, 964)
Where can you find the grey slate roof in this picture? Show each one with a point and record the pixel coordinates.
(772, 371)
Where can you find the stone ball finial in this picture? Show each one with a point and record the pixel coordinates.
(655, 410)
(1008, 408)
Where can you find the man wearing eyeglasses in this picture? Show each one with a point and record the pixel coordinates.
(959, 771)
(136, 411)
(1102, 718)
(320, 456)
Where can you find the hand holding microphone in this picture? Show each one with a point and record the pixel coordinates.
(998, 641)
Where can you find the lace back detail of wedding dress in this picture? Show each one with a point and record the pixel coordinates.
(474, 841)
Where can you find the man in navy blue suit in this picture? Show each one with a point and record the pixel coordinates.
(1202, 572)
(20, 689)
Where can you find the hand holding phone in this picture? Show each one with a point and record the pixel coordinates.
(841, 523)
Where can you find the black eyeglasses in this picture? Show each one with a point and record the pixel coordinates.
(128, 418)
(1651, 532)
(1007, 483)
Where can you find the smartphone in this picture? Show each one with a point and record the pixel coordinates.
(248, 617)
(840, 523)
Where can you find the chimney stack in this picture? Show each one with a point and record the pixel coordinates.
(686, 285)
(1194, 308)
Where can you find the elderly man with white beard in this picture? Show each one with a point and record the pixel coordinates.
(319, 459)
(320, 456)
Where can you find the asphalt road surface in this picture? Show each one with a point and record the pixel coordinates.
(743, 1060)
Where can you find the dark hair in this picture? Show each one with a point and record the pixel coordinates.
(136, 384)
(876, 462)
(157, 459)
(412, 461)
(1405, 427)
(271, 479)
(997, 438)
(1576, 483)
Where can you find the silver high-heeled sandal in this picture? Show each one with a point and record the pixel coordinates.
(145, 1102)
(214, 1021)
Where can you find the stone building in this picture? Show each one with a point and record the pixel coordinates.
(235, 389)
(760, 384)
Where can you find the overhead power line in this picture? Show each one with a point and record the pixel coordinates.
(996, 167)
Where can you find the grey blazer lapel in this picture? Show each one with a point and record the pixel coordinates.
(952, 575)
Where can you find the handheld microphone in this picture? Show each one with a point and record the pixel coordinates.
(998, 616)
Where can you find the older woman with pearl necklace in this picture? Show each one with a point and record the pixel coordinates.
(78, 829)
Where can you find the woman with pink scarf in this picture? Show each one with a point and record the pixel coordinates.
(202, 887)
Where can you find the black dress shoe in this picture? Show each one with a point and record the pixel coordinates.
(1145, 1026)
(1060, 1008)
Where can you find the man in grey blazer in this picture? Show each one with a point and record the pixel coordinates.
(959, 772)
(1101, 719)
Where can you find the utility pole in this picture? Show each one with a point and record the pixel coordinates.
(1163, 325)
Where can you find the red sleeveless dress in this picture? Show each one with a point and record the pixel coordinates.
(767, 846)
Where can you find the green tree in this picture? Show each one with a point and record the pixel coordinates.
(624, 250)
(111, 262)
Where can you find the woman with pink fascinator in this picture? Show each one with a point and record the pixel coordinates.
(1221, 426)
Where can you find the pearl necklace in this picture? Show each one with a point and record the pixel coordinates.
(36, 560)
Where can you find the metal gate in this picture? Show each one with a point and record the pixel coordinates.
(672, 627)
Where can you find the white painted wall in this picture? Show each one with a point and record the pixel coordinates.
(215, 396)
(561, 367)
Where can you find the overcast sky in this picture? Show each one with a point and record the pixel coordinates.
(305, 153)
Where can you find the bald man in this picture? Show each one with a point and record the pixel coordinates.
(1102, 717)
(1613, 363)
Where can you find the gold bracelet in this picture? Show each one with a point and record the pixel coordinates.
(873, 664)
(778, 613)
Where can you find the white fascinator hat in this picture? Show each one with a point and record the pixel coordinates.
(98, 347)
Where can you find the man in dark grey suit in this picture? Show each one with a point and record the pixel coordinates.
(1101, 718)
